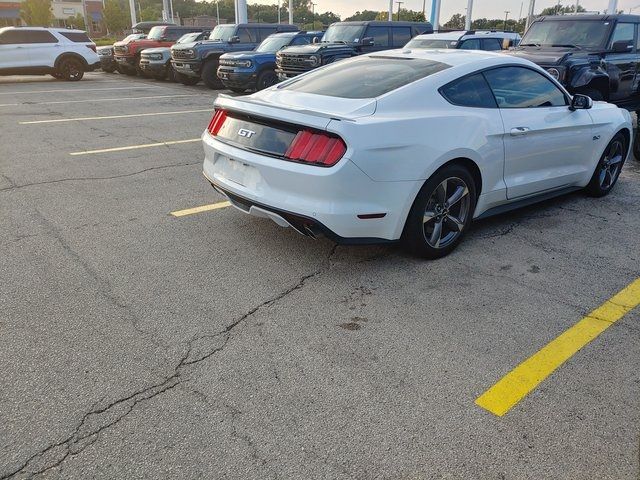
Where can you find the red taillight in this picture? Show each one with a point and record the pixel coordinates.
(217, 121)
(316, 148)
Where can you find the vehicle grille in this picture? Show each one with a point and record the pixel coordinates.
(294, 63)
(180, 55)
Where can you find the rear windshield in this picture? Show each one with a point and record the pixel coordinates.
(78, 37)
(365, 77)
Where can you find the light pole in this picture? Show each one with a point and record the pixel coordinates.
(132, 10)
(218, 12)
(313, 14)
(532, 7)
(291, 12)
(506, 16)
(279, 7)
(613, 7)
(399, 5)
(577, 5)
(391, 10)
(467, 20)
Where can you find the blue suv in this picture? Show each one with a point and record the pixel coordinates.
(193, 61)
(255, 70)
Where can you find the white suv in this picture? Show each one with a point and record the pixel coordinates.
(62, 53)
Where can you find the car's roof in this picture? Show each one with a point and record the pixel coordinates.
(452, 57)
(457, 35)
(460, 34)
(573, 18)
(380, 23)
(48, 29)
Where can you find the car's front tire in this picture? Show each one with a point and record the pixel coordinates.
(210, 75)
(266, 79)
(609, 167)
(441, 213)
(70, 69)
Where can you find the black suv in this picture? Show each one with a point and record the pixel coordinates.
(193, 61)
(595, 55)
(344, 40)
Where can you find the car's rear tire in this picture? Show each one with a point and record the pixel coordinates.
(70, 69)
(266, 79)
(185, 79)
(609, 167)
(210, 75)
(441, 213)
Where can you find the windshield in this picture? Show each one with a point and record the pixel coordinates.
(428, 43)
(156, 33)
(189, 37)
(273, 44)
(562, 33)
(133, 36)
(344, 33)
(223, 33)
(365, 77)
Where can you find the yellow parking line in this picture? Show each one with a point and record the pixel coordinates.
(110, 117)
(514, 386)
(135, 147)
(204, 208)
(115, 99)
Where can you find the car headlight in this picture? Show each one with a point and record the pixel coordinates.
(556, 73)
(125, 49)
(229, 63)
(244, 63)
(155, 56)
(314, 60)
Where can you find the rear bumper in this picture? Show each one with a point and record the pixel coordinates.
(190, 69)
(314, 200)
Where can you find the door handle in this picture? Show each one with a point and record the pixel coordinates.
(519, 131)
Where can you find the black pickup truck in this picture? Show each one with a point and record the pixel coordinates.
(595, 55)
(345, 40)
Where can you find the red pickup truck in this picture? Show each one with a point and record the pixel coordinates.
(127, 55)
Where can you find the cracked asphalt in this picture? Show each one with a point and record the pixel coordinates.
(217, 345)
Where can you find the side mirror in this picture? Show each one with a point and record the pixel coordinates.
(580, 102)
(316, 40)
(368, 42)
(234, 39)
(622, 46)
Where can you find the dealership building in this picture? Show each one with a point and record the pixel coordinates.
(62, 10)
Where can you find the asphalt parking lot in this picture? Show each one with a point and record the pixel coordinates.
(140, 344)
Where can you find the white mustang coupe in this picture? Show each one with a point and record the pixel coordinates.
(411, 146)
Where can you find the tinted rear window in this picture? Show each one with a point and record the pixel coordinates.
(78, 37)
(365, 77)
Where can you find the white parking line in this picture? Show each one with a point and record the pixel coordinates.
(135, 147)
(110, 117)
(80, 90)
(119, 99)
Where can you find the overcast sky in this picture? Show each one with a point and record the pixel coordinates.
(481, 8)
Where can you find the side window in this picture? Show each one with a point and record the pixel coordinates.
(472, 44)
(624, 32)
(491, 44)
(172, 34)
(301, 41)
(246, 35)
(12, 37)
(471, 91)
(265, 32)
(401, 36)
(520, 87)
(380, 36)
